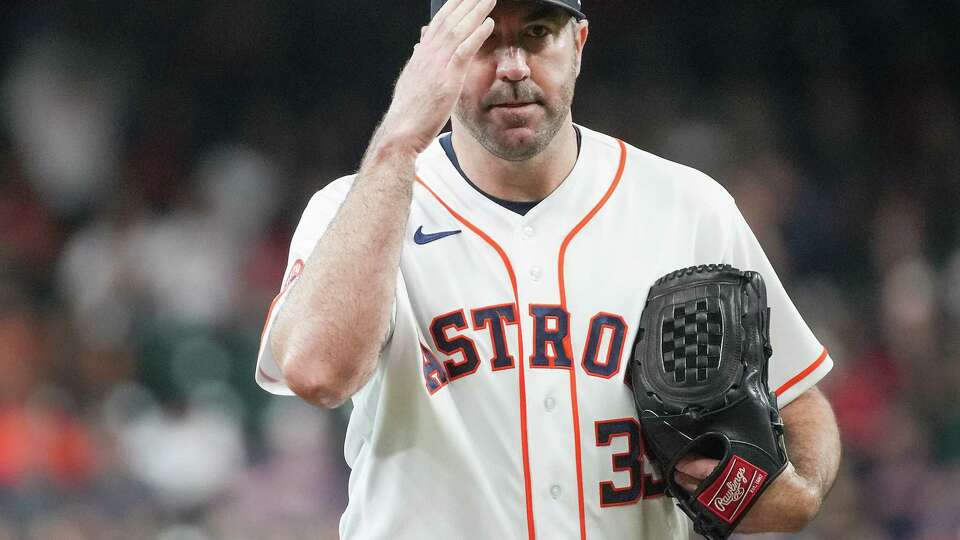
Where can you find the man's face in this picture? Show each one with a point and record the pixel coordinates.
(520, 85)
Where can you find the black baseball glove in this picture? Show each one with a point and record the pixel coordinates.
(699, 377)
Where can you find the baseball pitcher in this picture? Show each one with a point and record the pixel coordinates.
(491, 301)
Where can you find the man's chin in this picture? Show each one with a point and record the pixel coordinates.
(515, 143)
(516, 135)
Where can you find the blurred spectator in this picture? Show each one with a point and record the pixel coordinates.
(185, 457)
(64, 102)
(300, 483)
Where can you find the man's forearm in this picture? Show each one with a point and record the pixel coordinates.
(813, 440)
(327, 337)
(813, 445)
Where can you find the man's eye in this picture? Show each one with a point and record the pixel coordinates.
(537, 31)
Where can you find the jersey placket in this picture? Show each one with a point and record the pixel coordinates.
(549, 414)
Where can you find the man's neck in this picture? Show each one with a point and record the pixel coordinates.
(530, 180)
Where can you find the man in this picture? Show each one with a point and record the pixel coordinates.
(476, 296)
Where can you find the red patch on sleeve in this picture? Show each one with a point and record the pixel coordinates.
(295, 272)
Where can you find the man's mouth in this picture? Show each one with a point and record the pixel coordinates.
(516, 105)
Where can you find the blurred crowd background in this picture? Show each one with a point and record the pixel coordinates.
(155, 157)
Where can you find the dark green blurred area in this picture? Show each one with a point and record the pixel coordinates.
(155, 157)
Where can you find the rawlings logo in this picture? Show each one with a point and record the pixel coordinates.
(730, 494)
(735, 490)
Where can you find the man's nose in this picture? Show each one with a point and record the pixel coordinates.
(512, 64)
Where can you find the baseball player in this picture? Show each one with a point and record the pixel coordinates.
(476, 294)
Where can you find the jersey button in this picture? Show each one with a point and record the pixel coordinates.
(555, 491)
(528, 231)
(535, 273)
(549, 403)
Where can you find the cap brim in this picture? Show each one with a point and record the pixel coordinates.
(435, 6)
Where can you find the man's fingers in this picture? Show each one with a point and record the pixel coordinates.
(447, 17)
(444, 12)
(693, 469)
(686, 481)
(697, 467)
(468, 49)
(461, 14)
(460, 30)
(472, 19)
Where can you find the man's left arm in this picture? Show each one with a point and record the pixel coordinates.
(813, 446)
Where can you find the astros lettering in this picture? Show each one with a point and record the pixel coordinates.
(453, 337)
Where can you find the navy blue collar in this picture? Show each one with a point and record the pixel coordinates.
(514, 206)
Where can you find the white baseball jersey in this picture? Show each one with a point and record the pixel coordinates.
(499, 407)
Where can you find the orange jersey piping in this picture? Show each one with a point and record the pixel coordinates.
(563, 303)
(531, 530)
(800, 376)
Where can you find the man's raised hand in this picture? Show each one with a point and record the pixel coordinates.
(431, 82)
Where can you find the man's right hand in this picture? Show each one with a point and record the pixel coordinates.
(431, 82)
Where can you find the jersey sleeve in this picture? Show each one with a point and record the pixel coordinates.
(313, 223)
(799, 360)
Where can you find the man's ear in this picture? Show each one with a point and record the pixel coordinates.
(581, 32)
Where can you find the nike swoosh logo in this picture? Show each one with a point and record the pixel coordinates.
(422, 238)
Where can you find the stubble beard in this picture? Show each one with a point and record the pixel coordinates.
(493, 137)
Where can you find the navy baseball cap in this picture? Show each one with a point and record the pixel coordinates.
(573, 6)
